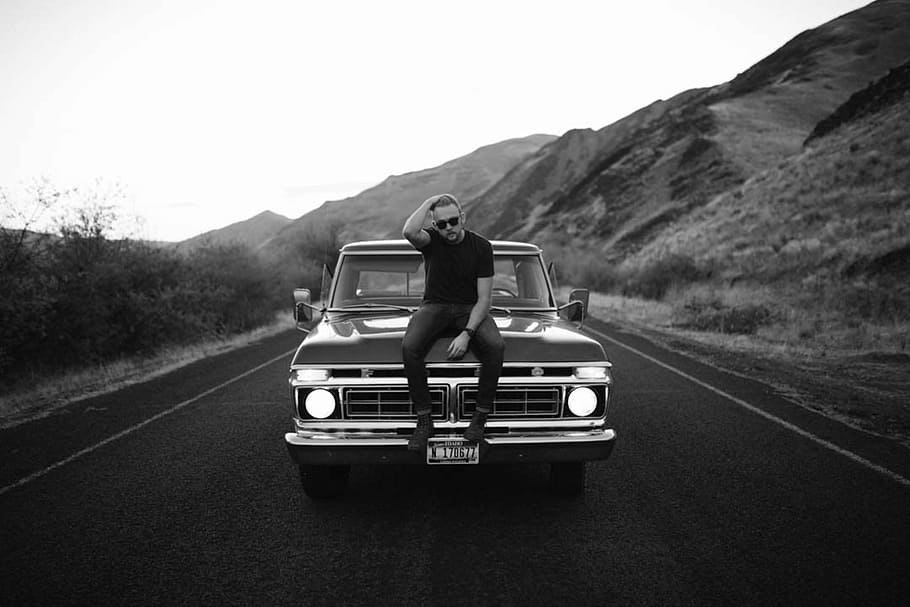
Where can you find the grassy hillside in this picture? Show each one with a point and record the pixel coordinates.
(819, 243)
(844, 200)
(801, 275)
(608, 194)
(778, 100)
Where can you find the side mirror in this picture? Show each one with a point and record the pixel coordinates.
(303, 310)
(579, 297)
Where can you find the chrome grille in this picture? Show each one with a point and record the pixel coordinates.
(467, 371)
(515, 401)
(388, 402)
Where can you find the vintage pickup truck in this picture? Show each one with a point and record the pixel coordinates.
(349, 394)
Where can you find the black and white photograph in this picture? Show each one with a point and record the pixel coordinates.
(480, 303)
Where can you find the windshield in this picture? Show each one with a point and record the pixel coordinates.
(398, 280)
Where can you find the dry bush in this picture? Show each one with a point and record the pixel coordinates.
(869, 301)
(713, 316)
(656, 279)
(318, 247)
(741, 310)
(588, 269)
(82, 298)
(591, 269)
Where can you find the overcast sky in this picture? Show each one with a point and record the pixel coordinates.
(208, 112)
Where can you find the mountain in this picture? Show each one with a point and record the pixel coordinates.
(890, 90)
(251, 232)
(838, 208)
(621, 193)
(723, 174)
(380, 211)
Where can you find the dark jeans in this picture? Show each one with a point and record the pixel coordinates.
(426, 325)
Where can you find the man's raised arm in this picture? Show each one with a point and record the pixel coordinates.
(413, 227)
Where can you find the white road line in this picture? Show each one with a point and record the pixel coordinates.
(789, 426)
(133, 428)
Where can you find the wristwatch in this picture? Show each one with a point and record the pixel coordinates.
(470, 332)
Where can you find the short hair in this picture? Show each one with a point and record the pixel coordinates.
(446, 200)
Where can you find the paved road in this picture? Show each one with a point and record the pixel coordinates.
(718, 493)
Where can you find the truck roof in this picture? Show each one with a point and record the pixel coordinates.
(403, 246)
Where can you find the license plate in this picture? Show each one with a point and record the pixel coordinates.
(452, 451)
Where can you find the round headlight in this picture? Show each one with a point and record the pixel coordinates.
(582, 401)
(320, 403)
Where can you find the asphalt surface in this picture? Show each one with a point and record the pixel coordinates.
(718, 493)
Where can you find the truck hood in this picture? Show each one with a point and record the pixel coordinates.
(376, 339)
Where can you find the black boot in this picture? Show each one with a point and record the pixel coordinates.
(422, 432)
(474, 432)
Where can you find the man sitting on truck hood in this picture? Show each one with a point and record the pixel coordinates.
(459, 286)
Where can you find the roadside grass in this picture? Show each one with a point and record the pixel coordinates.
(798, 277)
(806, 345)
(46, 394)
(845, 198)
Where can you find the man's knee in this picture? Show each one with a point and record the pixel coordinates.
(412, 349)
(499, 349)
(493, 349)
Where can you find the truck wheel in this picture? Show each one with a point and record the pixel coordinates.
(321, 482)
(567, 478)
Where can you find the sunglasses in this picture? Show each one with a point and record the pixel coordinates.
(441, 223)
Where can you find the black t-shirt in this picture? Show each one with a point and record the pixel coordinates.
(452, 270)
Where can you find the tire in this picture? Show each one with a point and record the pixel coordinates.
(567, 478)
(323, 482)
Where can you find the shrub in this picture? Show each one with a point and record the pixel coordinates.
(881, 303)
(317, 246)
(234, 285)
(716, 317)
(82, 298)
(600, 277)
(589, 270)
(581, 268)
(655, 280)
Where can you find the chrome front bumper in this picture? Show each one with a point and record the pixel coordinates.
(338, 448)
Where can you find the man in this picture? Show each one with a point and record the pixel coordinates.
(459, 286)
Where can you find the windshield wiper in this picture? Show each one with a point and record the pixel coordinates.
(498, 309)
(377, 305)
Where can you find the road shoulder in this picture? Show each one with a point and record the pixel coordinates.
(44, 442)
(742, 382)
